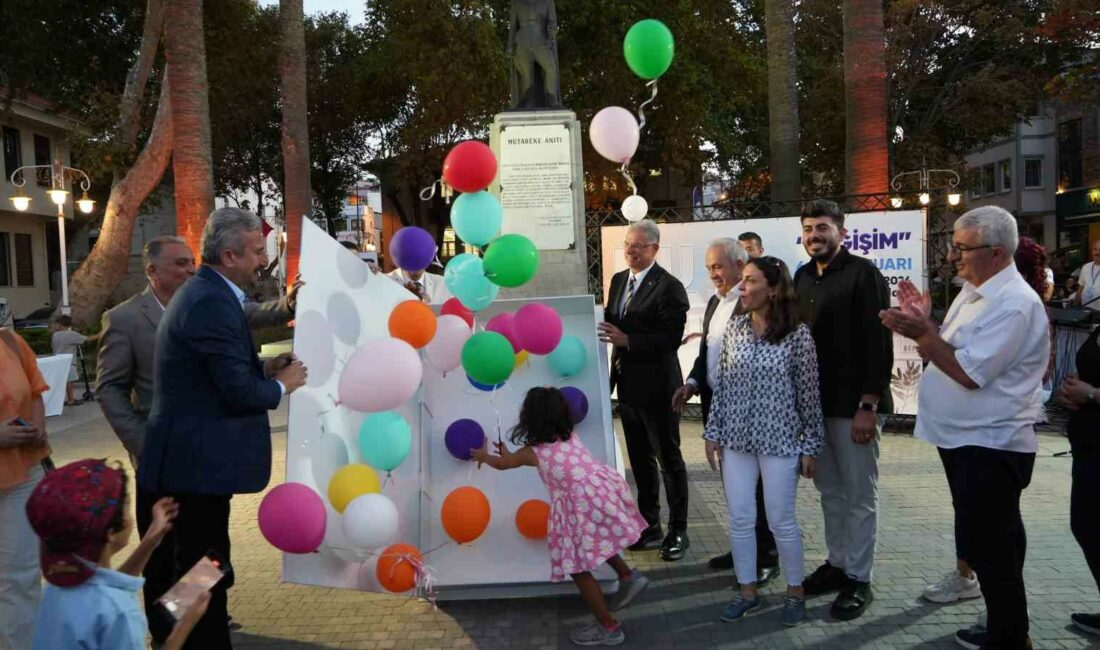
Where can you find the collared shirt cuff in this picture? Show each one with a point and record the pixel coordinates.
(694, 384)
(282, 389)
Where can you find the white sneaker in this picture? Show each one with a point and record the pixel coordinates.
(952, 588)
(629, 589)
(596, 634)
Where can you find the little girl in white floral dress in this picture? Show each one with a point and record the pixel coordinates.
(593, 516)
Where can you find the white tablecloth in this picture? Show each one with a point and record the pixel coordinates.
(55, 370)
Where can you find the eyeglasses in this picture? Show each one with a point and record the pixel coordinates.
(959, 249)
(636, 247)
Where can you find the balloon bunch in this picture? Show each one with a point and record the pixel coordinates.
(615, 134)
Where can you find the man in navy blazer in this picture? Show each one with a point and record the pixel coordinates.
(208, 436)
(644, 320)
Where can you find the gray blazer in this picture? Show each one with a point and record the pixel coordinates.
(124, 369)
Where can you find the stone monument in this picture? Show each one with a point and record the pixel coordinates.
(537, 142)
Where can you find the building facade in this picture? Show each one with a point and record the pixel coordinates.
(1078, 180)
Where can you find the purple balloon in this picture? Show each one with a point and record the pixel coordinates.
(463, 437)
(413, 248)
(578, 403)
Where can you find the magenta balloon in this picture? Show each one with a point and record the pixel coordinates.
(538, 328)
(381, 376)
(292, 518)
(614, 134)
(413, 248)
(504, 324)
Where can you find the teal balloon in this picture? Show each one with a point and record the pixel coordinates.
(384, 440)
(477, 217)
(649, 48)
(569, 357)
(465, 278)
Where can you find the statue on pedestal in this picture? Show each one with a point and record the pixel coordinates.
(532, 42)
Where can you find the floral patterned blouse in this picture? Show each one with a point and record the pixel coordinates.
(767, 401)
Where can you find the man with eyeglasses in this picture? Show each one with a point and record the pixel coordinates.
(645, 314)
(839, 297)
(978, 399)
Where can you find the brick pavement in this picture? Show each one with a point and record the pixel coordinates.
(681, 608)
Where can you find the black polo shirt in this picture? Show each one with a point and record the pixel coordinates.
(855, 351)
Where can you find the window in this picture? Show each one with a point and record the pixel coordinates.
(13, 153)
(42, 157)
(989, 180)
(1006, 175)
(5, 264)
(1033, 172)
(448, 243)
(974, 180)
(24, 260)
(1069, 155)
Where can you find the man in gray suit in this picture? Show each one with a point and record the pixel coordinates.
(124, 372)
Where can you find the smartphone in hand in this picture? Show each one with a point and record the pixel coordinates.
(199, 579)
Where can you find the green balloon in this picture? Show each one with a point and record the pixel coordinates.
(649, 48)
(510, 261)
(488, 358)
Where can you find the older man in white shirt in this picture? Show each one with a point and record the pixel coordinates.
(429, 287)
(977, 404)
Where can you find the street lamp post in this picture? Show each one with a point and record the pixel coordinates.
(924, 176)
(58, 195)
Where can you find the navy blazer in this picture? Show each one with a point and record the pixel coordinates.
(208, 431)
(648, 373)
(699, 368)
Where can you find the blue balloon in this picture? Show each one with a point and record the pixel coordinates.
(569, 357)
(465, 278)
(480, 386)
(384, 440)
(477, 217)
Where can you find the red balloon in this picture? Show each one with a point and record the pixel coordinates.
(455, 307)
(470, 166)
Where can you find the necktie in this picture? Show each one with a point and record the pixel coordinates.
(629, 295)
(422, 290)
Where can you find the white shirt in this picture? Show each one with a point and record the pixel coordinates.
(999, 332)
(639, 277)
(435, 291)
(1090, 286)
(716, 334)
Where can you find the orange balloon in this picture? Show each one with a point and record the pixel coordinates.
(465, 514)
(396, 568)
(413, 322)
(533, 518)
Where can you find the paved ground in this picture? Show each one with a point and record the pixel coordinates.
(681, 609)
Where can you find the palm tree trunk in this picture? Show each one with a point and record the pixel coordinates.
(292, 71)
(786, 170)
(192, 162)
(867, 160)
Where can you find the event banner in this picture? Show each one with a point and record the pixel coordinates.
(894, 241)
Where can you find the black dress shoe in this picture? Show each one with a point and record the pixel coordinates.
(724, 561)
(852, 601)
(824, 579)
(766, 574)
(650, 535)
(676, 542)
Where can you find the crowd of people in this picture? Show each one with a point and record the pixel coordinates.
(793, 372)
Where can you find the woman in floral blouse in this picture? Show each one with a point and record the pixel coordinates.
(766, 421)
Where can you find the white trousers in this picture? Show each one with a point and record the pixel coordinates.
(847, 477)
(20, 577)
(780, 475)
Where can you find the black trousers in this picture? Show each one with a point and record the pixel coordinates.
(201, 525)
(1084, 509)
(961, 552)
(652, 438)
(986, 488)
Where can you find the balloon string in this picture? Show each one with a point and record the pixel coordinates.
(629, 179)
(428, 193)
(641, 108)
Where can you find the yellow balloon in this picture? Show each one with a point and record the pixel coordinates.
(349, 482)
(521, 357)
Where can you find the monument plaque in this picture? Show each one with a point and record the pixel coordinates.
(536, 184)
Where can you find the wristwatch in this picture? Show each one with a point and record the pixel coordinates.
(868, 406)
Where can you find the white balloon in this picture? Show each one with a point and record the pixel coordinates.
(635, 208)
(444, 351)
(370, 521)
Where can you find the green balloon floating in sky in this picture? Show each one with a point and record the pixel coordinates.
(649, 48)
(511, 260)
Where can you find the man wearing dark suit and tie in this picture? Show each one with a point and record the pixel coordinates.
(208, 436)
(725, 260)
(124, 373)
(645, 315)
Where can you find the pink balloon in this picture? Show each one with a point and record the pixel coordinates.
(614, 134)
(292, 518)
(538, 328)
(504, 324)
(444, 351)
(381, 376)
